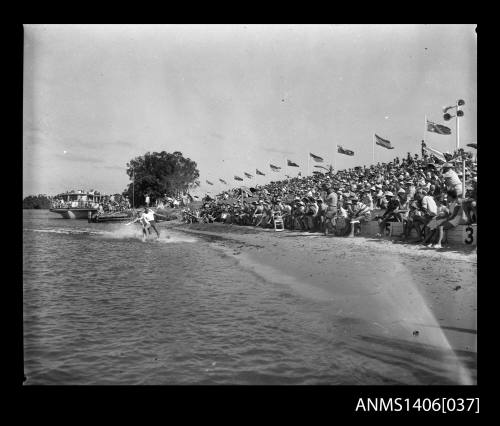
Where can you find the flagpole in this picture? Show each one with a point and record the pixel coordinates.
(373, 150)
(425, 125)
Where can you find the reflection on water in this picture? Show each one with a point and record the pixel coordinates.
(102, 307)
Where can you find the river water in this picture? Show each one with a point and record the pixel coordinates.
(102, 307)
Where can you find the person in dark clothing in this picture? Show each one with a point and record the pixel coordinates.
(390, 215)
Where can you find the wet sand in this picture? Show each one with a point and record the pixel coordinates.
(410, 294)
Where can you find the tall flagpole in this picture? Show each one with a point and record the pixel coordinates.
(335, 158)
(425, 125)
(373, 150)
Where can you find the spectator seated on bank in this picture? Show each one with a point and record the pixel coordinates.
(456, 216)
(310, 214)
(360, 213)
(391, 214)
(436, 221)
(428, 207)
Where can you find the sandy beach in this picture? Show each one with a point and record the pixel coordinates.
(409, 294)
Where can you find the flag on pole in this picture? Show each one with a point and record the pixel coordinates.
(341, 150)
(275, 168)
(316, 158)
(383, 142)
(438, 154)
(248, 175)
(210, 183)
(292, 164)
(223, 181)
(472, 145)
(259, 172)
(438, 128)
(237, 178)
(321, 167)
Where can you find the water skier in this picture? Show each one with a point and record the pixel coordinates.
(149, 215)
(146, 225)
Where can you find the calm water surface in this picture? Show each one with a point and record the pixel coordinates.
(102, 307)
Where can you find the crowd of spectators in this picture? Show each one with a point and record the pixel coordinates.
(423, 193)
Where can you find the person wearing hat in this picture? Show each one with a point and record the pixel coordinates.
(391, 214)
(286, 214)
(258, 213)
(332, 199)
(451, 179)
(428, 208)
(298, 215)
(320, 217)
(367, 198)
(410, 222)
(359, 212)
(311, 214)
(455, 216)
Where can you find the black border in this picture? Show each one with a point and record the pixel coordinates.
(292, 401)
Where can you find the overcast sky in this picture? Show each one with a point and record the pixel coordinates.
(235, 98)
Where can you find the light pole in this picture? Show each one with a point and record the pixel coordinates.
(460, 113)
(447, 117)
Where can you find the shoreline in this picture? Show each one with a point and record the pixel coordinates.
(409, 293)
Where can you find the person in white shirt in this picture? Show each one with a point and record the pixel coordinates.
(149, 215)
(451, 179)
(141, 217)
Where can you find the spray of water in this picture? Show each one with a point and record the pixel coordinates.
(122, 232)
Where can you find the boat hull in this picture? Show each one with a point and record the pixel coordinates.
(74, 213)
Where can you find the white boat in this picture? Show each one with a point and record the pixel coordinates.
(76, 204)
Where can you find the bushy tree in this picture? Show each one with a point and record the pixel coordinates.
(160, 173)
(40, 201)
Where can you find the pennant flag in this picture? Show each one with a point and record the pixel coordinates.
(383, 142)
(223, 181)
(292, 164)
(472, 145)
(316, 158)
(248, 175)
(438, 154)
(237, 178)
(259, 172)
(438, 128)
(321, 167)
(275, 168)
(341, 150)
(210, 183)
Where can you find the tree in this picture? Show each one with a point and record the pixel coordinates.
(40, 201)
(160, 173)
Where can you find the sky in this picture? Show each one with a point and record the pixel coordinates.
(235, 98)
